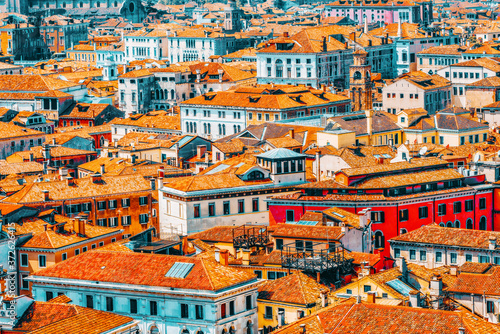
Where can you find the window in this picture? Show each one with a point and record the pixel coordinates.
(248, 302)
(125, 202)
(184, 311)
(211, 209)
(441, 209)
(199, 311)
(468, 257)
(42, 261)
(484, 259)
(133, 306)
(482, 223)
(469, 205)
(379, 240)
(255, 204)
(269, 312)
(413, 254)
(490, 306)
(258, 273)
(49, 295)
(241, 206)
(496, 260)
(453, 258)
(144, 218)
(77, 252)
(231, 307)
(113, 204)
(223, 311)
(457, 207)
(84, 249)
(226, 208)
(397, 253)
(423, 255)
(279, 243)
(271, 275)
(109, 304)
(90, 301)
(126, 220)
(290, 215)
(403, 215)
(143, 200)
(64, 256)
(377, 216)
(101, 205)
(482, 203)
(93, 246)
(24, 260)
(468, 224)
(153, 307)
(423, 212)
(196, 210)
(439, 257)
(367, 288)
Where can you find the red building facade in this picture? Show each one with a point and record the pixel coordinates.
(447, 198)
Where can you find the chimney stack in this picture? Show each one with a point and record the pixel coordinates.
(281, 318)
(96, 178)
(32, 157)
(224, 257)
(45, 227)
(303, 328)
(414, 298)
(401, 263)
(370, 297)
(369, 126)
(453, 270)
(492, 242)
(70, 181)
(103, 167)
(200, 150)
(245, 257)
(76, 225)
(45, 195)
(153, 184)
(300, 314)
(221, 73)
(81, 224)
(133, 157)
(318, 167)
(324, 298)
(217, 254)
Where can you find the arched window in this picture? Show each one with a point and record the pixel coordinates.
(220, 129)
(468, 224)
(154, 330)
(449, 224)
(457, 223)
(482, 223)
(185, 331)
(249, 327)
(223, 129)
(157, 94)
(357, 75)
(403, 231)
(379, 240)
(166, 94)
(172, 94)
(116, 4)
(101, 141)
(279, 68)
(161, 94)
(98, 4)
(441, 224)
(187, 127)
(209, 128)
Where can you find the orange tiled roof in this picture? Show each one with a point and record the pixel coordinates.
(297, 288)
(147, 270)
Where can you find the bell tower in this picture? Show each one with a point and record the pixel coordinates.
(232, 16)
(360, 82)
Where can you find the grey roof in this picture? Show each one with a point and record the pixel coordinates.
(281, 153)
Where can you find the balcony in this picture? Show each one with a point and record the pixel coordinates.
(250, 236)
(316, 258)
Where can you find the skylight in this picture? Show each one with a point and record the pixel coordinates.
(179, 270)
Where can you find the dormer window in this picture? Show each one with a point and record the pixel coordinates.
(255, 175)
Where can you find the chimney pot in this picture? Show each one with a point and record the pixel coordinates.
(303, 328)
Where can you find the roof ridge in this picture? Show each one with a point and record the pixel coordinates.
(207, 272)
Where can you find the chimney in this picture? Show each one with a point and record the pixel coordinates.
(461, 330)
(46, 152)
(69, 181)
(281, 318)
(53, 141)
(198, 75)
(221, 73)
(160, 183)
(318, 167)
(401, 263)
(436, 286)
(285, 34)
(224, 257)
(324, 44)
(414, 298)
(453, 270)
(32, 157)
(370, 297)
(81, 223)
(185, 245)
(153, 184)
(103, 167)
(369, 120)
(133, 157)
(291, 133)
(492, 242)
(200, 150)
(324, 298)
(76, 225)
(45, 195)
(246, 257)
(161, 172)
(45, 227)
(217, 254)
(302, 328)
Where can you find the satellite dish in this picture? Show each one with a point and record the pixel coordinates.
(476, 157)
(423, 150)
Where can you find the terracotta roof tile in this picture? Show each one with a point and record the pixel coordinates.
(296, 288)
